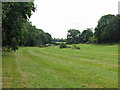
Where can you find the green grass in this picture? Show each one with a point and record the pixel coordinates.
(93, 66)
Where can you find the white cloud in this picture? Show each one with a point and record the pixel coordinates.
(57, 16)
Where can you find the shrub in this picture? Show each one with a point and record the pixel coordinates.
(63, 45)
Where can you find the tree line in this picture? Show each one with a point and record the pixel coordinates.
(107, 31)
(33, 36)
(16, 28)
(59, 40)
(75, 36)
(18, 31)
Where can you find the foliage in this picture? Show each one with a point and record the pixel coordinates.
(63, 45)
(14, 15)
(111, 33)
(105, 32)
(73, 36)
(49, 38)
(34, 37)
(59, 40)
(92, 39)
(86, 34)
(16, 30)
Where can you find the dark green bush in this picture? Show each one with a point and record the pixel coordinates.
(63, 45)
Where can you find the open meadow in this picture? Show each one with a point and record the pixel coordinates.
(92, 66)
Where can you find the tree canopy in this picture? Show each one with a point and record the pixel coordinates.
(33, 36)
(14, 15)
(87, 34)
(73, 36)
(107, 29)
(17, 30)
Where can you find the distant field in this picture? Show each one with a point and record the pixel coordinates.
(93, 66)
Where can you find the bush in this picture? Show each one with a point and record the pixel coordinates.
(63, 45)
(75, 47)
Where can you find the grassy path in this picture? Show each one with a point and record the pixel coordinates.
(12, 73)
(92, 66)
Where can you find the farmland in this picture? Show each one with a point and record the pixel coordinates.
(92, 66)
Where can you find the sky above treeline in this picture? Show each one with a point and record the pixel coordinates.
(58, 16)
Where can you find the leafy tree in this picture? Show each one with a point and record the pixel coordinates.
(14, 15)
(73, 36)
(92, 39)
(29, 35)
(43, 37)
(102, 24)
(49, 38)
(87, 34)
(111, 33)
(63, 45)
(33, 36)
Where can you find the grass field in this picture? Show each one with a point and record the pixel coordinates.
(93, 66)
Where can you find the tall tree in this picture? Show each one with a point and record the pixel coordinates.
(102, 24)
(33, 36)
(87, 34)
(43, 37)
(14, 15)
(73, 36)
(49, 38)
(111, 31)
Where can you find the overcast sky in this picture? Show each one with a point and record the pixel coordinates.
(58, 16)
